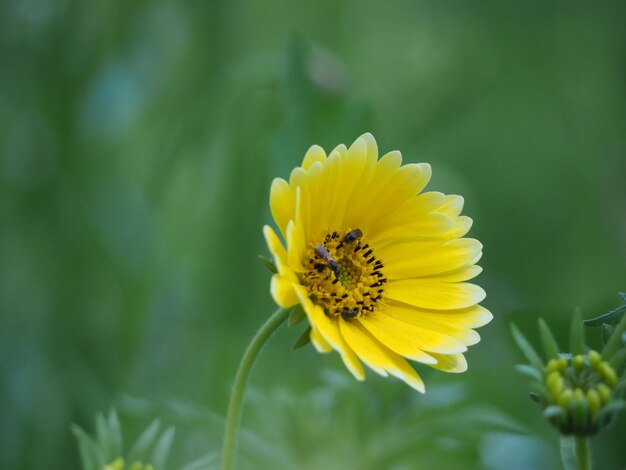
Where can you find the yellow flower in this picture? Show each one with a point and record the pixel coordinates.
(378, 266)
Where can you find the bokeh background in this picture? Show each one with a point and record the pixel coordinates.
(138, 141)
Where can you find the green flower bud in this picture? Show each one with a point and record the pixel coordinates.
(565, 398)
(579, 362)
(594, 359)
(562, 363)
(117, 464)
(579, 394)
(554, 382)
(608, 374)
(594, 401)
(552, 366)
(605, 393)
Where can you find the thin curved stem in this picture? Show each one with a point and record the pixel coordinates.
(235, 406)
(583, 453)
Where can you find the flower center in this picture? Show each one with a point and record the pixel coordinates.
(343, 276)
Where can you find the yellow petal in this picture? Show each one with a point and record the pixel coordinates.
(435, 295)
(453, 205)
(454, 363)
(282, 291)
(457, 326)
(410, 260)
(282, 203)
(462, 274)
(329, 331)
(427, 337)
(314, 154)
(275, 246)
(320, 344)
(428, 225)
(295, 244)
(472, 317)
(392, 335)
(377, 356)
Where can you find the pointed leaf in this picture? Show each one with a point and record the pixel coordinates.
(90, 454)
(577, 337)
(550, 346)
(611, 408)
(618, 359)
(304, 339)
(296, 315)
(554, 412)
(162, 449)
(206, 462)
(527, 349)
(616, 338)
(269, 264)
(607, 331)
(144, 442)
(529, 371)
(115, 433)
(610, 317)
(102, 437)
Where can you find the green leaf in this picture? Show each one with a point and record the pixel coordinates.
(529, 371)
(554, 412)
(607, 332)
(162, 449)
(577, 336)
(102, 437)
(145, 442)
(614, 341)
(611, 409)
(91, 456)
(268, 263)
(296, 315)
(610, 317)
(550, 346)
(115, 433)
(623, 296)
(527, 349)
(303, 340)
(617, 359)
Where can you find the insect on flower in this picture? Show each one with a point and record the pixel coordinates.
(325, 255)
(353, 236)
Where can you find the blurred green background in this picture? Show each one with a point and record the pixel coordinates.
(138, 142)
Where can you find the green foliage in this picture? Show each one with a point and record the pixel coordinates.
(152, 447)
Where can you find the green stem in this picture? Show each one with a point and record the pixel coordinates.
(583, 453)
(235, 406)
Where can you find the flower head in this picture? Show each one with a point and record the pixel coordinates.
(378, 266)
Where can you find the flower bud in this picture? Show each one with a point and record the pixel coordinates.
(565, 398)
(608, 374)
(554, 382)
(552, 366)
(605, 393)
(594, 402)
(578, 362)
(594, 359)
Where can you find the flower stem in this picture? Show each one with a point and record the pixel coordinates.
(575, 453)
(235, 406)
(583, 453)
